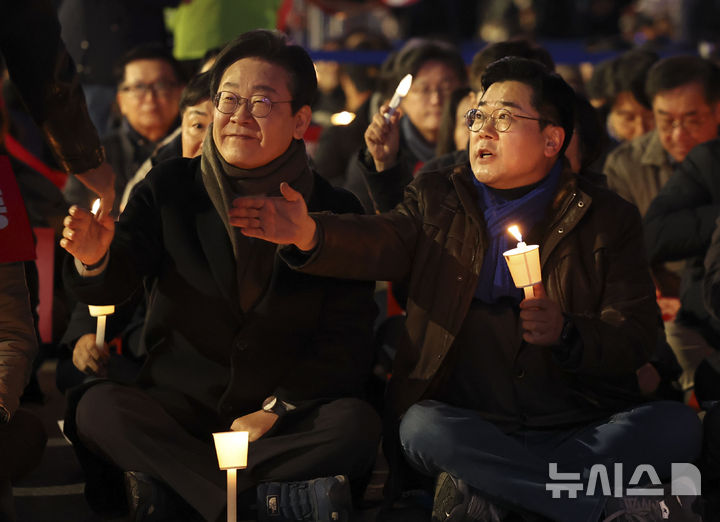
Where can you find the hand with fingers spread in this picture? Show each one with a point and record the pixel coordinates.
(382, 138)
(282, 220)
(90, 359)
(85, 236)
(542, 318)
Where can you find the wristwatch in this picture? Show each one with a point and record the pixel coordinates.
(274, 405)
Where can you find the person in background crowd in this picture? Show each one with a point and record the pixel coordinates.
(97, 34)
(196, 110)
(398, 148)
(629, 113)
(453, 134)
(678, 226)
(685, 95)
(149, 83)
(340, 141)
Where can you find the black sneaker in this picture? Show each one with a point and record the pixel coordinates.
(454, 501)
(324, 499)
(668, 508)
(150, 500)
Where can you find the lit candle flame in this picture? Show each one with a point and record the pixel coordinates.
(342, 118)
(515, 231)
(405, 84)
(96, 206)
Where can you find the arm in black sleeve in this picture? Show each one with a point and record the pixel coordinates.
(41, 68)
(681, 219)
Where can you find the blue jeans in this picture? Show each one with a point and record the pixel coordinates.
(513, 469)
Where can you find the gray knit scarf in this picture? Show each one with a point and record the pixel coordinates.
(254, 258)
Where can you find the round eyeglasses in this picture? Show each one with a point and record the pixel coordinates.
(501, 119)
(258, 105)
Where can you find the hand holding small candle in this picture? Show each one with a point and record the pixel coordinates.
(400, 93)
(102, 311)
(524, 263)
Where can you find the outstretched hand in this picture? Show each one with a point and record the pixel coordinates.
(542, 319)
(283, 220)
(85, 236)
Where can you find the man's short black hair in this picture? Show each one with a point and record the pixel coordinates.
(416, 53)
(494, 51)
(552, 97)
(197, 90)
(363, 76)
(150, 51)
(676, 71)
(271, 47)
(590, 132)
(628, 74)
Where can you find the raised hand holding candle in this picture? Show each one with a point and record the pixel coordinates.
(524, 263)
(400, 93)
(232, 449)
(100, 311)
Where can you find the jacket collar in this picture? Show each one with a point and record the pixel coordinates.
(654, 153)
(569, 206)
(466, 191)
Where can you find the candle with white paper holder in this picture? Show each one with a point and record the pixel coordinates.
(401, 91)
(100, 311)
(524, 263)
(232, 450)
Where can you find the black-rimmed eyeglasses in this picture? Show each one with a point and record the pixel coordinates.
(258, 105)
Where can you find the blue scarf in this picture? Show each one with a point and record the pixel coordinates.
(495, 279)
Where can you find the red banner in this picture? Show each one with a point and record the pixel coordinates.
(16, 241)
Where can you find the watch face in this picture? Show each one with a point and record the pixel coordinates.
(270, 403)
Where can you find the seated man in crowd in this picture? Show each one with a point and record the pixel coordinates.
(621, 94)
(235, 339)
(678, 225)
(685, 96)
(150, 82)
(196, 110)
(685, 93)
(491, 389)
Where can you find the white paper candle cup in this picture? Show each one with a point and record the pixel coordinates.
(232, 449)
(524, 265)
(97, 310)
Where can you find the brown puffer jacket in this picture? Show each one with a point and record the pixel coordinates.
(593, 264)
